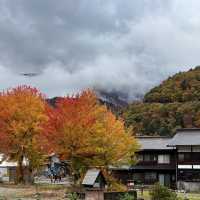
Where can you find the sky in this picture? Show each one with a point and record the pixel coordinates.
(114, 45)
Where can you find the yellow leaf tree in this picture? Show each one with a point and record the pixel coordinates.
(22, 115)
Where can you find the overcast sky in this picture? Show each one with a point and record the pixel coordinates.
(122, 45)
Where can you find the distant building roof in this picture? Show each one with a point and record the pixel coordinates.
(186, 137)
(6, 163)
(91, 176)
(121, 167)
(154, 143)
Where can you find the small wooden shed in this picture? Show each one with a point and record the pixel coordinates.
(94, 179)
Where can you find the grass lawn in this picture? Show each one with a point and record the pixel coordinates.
(191, 196)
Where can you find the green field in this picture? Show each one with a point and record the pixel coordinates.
(191, 196)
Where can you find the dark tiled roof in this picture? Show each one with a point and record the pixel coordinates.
(153, 167)
(154, 143)
(143, 167)
(186, 137)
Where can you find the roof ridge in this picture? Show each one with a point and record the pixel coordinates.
(154, 137)
(187, 129)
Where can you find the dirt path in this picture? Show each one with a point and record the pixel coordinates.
(29, 192)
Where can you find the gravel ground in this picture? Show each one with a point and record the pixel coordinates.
(11, 192)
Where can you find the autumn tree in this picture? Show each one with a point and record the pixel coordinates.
(85, 133)
(172, 105)
(182, 87)
(22, 115)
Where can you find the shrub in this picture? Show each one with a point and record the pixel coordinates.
(73, 196)
(127, 196)
(160, 192)
(113, 184)
(116, 187)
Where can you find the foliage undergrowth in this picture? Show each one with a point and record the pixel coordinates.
(160, 192)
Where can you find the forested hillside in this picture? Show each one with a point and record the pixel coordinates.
(182, 87)
(173, 104)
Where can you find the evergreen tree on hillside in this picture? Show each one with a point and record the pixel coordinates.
(182, 87)
(173, 104)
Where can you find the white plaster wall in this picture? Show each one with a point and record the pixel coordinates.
(189, 186)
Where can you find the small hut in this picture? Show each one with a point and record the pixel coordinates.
(94, 179)
(8, 170)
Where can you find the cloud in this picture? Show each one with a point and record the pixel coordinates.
(119, 45)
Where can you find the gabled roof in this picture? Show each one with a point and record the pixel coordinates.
(91, 177)
(154, 143)
(186, 137)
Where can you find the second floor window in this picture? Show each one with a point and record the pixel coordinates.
(185, 157)
(150, 158)
(164, 159)
(146, 158)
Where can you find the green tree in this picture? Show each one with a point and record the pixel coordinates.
(160, 192)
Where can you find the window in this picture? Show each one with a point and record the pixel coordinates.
(184, 166)
(196, 149)
(189, 175)
(150, 177)
(164, 159)
(153, 157)
(184, 157)
(181, 157)
(196, 166)
(184, 149)
(146, 157)
(139, 157)
(150, 158)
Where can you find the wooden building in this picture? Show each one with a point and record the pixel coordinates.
(174, 162)
(156, 163)
(94, 179)
(8, 170)
(187, 145)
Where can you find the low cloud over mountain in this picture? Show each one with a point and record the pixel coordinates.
(113, 45)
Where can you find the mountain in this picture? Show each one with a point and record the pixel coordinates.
(115, 101)
(52, 101)
(175, 103)
(182, 87)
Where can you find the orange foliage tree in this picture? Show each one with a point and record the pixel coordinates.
(22, 115)
(85, 133)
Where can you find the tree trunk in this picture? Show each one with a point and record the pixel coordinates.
(20, 170)
(72, 172)
(31, 176)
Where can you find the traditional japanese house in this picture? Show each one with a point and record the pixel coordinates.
(187, 145)
(156, 163)
(174, 162)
